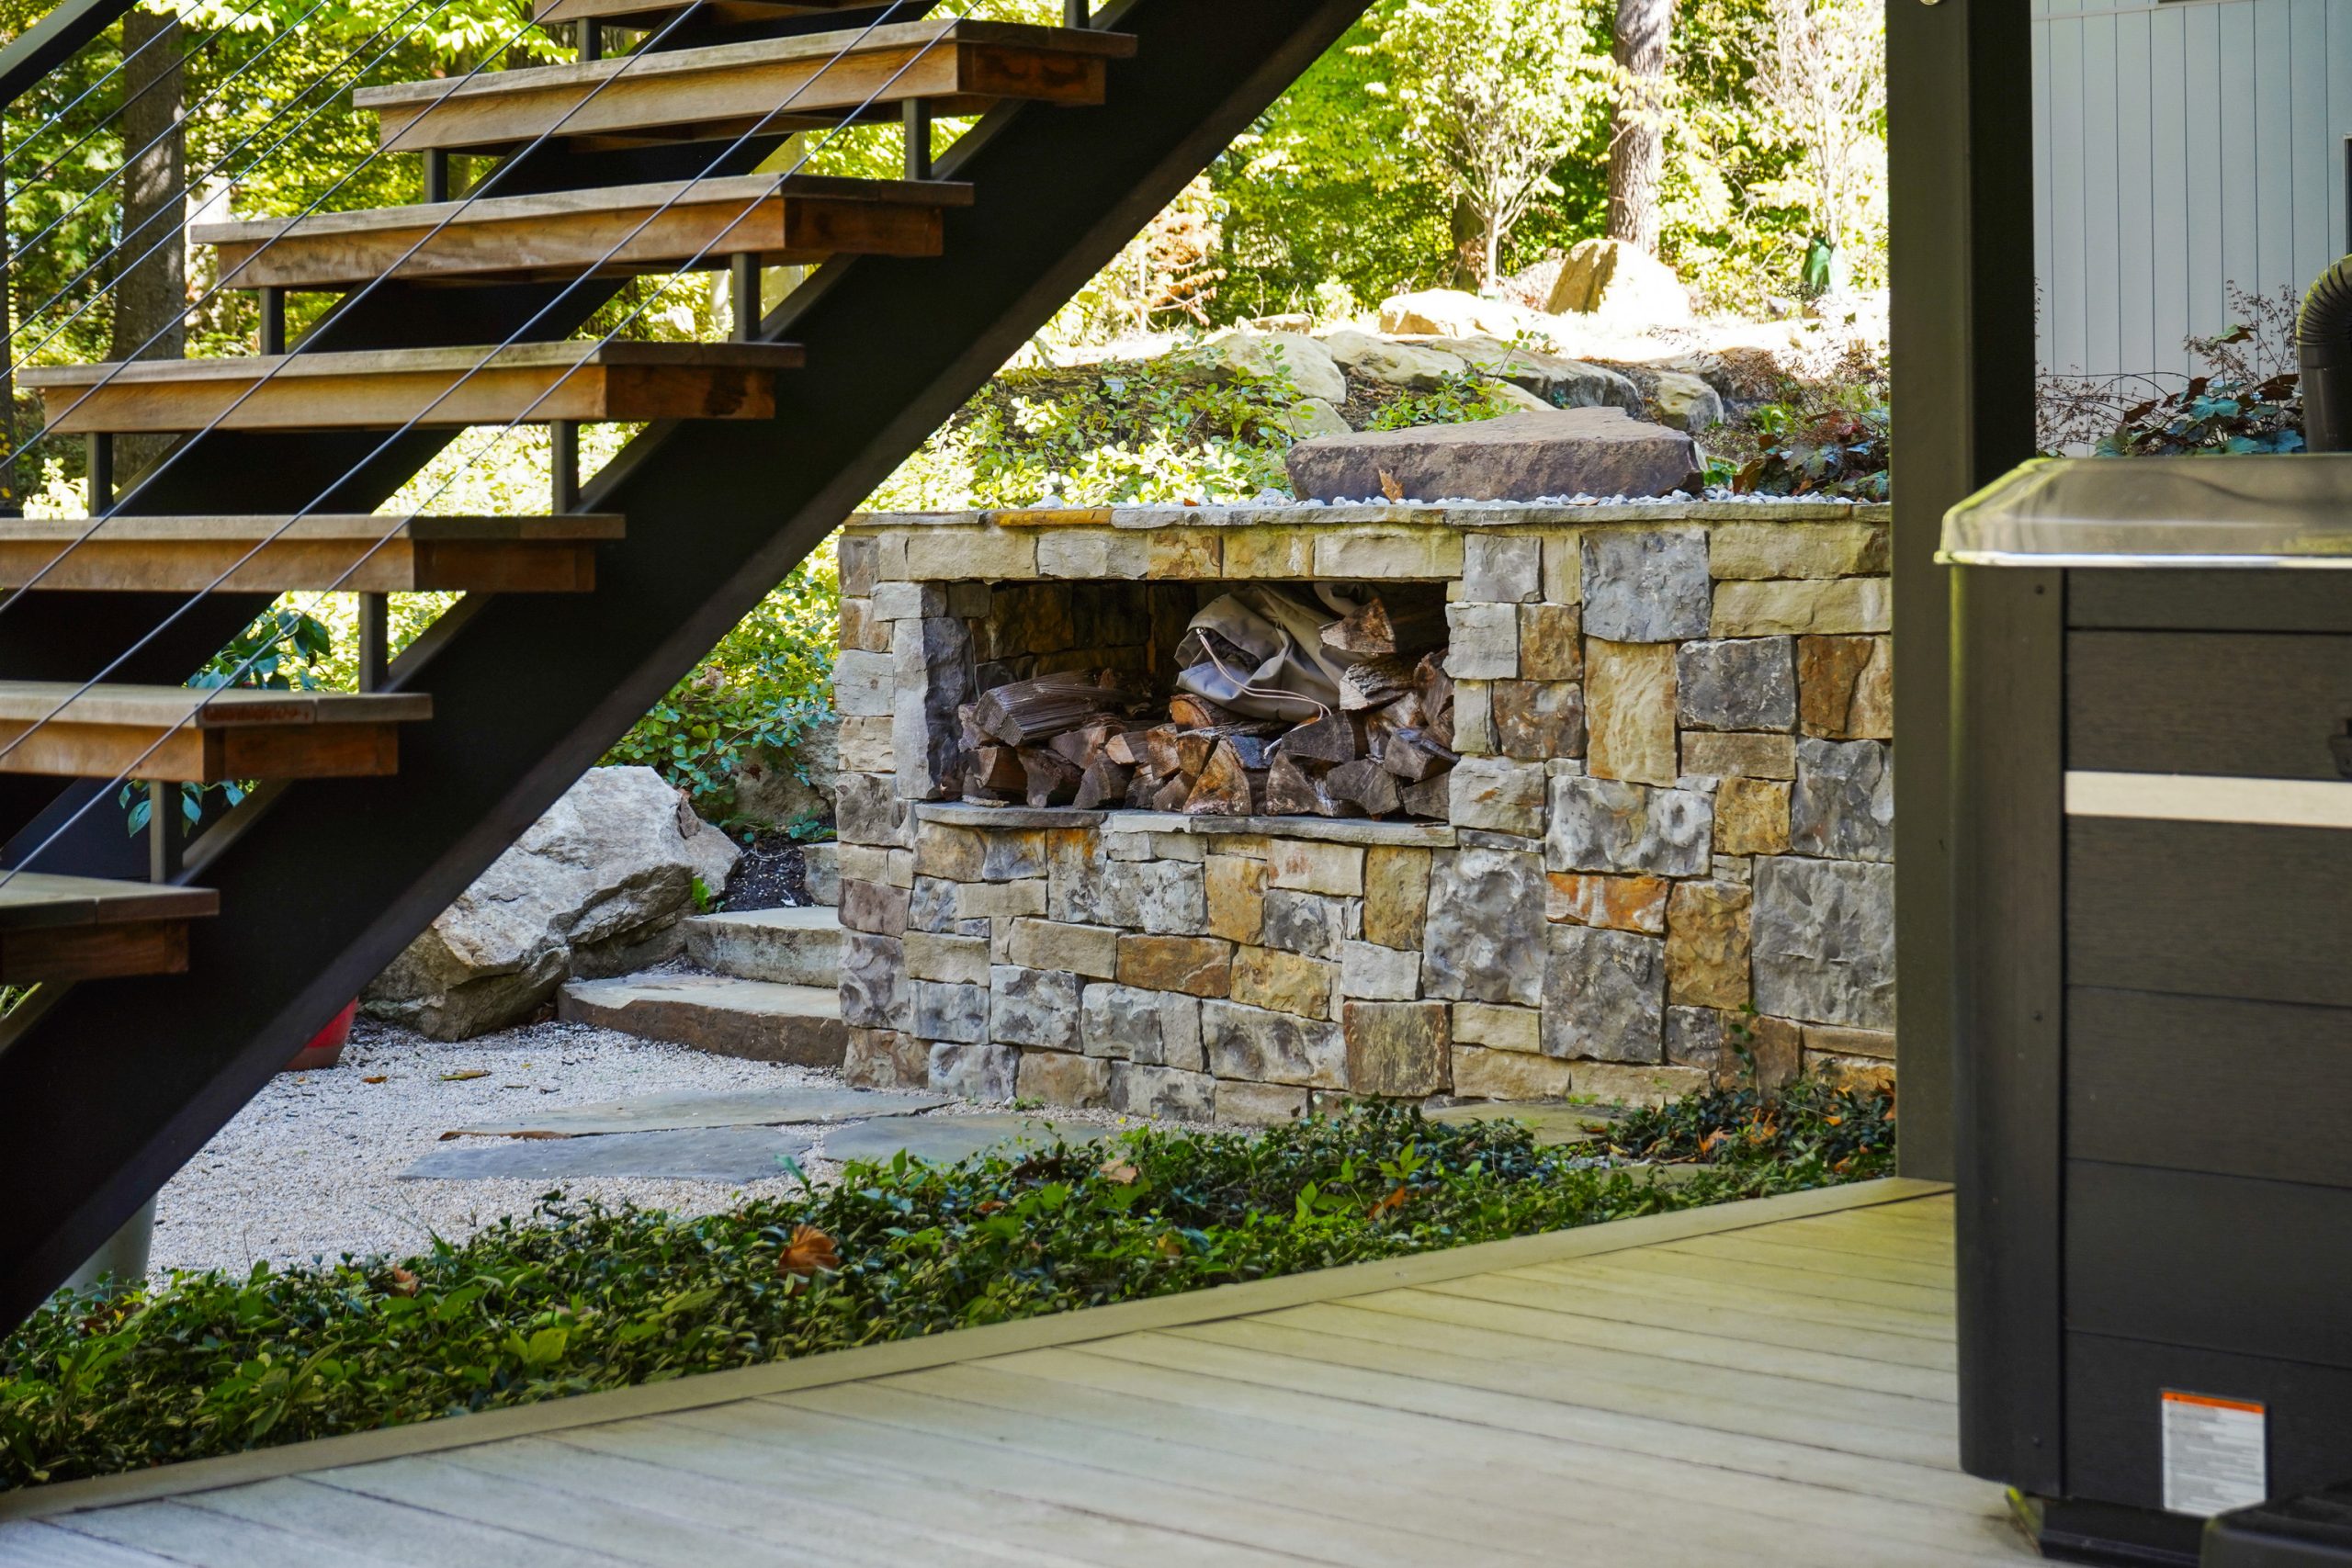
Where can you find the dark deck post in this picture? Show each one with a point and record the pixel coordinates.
(1960, 179)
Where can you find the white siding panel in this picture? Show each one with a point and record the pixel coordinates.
(2167, 184)
(2207, 221)
(2339, 123)
(2135, 224)
(2307, 29)
(2103, 237)
(2067, 301)
(2274, 142)
(2240, 180)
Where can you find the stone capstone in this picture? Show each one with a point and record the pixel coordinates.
(596, 888)
(1824, 940)
(1522, 457)
(1604, 995)
(1610, 825)
(1484, 904)
(1741, 683)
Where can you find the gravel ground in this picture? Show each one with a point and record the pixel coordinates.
(308, 1170)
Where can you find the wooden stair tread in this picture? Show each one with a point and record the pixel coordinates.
(959, 67)
(56, 930)
(552, 13)
(160, 733)
(188, 706)
(413, 554)
(385, 389)
(785, 220)
(32, 900)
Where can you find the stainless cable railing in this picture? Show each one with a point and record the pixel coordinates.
(520, 418)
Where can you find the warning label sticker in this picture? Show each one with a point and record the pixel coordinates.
(2216, 1454)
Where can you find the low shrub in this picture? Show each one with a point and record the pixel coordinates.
(581, 1297)
(768, 680)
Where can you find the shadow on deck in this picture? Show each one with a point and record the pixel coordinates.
(1766, 1383)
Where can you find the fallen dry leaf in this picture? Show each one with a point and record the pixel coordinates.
(1169, 1246)
(377, 1079)
(401, 1282)
(1396, 1199)
(1389, 487)
(467, 1077)
(1119, 1172)
(809, 1252)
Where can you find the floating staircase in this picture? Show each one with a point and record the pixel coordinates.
(754, 452)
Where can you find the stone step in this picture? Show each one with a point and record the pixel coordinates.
(718, 1013)
(790, 947)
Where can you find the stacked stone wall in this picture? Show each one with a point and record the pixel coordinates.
(1668, 857)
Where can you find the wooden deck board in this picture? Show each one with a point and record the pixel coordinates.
(1775, 1392)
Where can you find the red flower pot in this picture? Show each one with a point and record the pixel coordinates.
(326, 1049)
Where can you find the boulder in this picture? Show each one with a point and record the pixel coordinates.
(1405, 365)
(1311, 417)
(1562, 383)
(1450, 312)
(1292, 357)
(1522, 457)
(1686, 402)
(795, 783)
(596, 887)
(1620, 281)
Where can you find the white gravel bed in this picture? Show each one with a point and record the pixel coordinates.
(309, 1169)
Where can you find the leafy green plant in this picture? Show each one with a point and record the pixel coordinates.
(1813, 1128)
(768, 680)
(2212, 414)
(1459, 399)
(280, 652)
(1168, 430)
(581, 1297)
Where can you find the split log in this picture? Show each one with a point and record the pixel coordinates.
(1127, 748)
(1223, 789)
(1102, 782)
(1366, 633)
(1172, 794)
(1412, 756)
(969, 727)
(998, 768)
(1053, 781)
(1432, 798)
(1374, 683)
(1292, 787)
(1365, 783)
(1165, 756)
(1192, 749)
(1027, 713)
(1141, 788)
(1197, 713)
(1334, 738)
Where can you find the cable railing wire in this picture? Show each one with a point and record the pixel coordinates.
(116, 70)
(188, 113)
(170, 238)
(118, 366)
(244, 667)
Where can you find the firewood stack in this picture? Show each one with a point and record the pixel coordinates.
(1075, 739)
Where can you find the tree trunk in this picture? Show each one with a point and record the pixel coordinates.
(151, 294)
(1469, 245)
(1637, 139)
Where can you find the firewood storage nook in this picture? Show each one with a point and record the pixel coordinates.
(1613, 818)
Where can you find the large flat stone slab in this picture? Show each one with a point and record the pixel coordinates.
(1522, 457)
(1555, 1123)
(700, 1154)
(944, 1140)
(750, 1107)
(788, 947)
(717, 1013)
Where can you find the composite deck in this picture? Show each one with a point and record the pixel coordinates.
(1765, 1383)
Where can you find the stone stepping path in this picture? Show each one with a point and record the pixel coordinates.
(1554, 1124)
(752, 1108)
(944, 1140)
(686, 1154)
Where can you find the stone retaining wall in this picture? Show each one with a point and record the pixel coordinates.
(1669, 849)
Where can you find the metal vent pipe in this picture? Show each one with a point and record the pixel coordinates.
(2324, 344)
